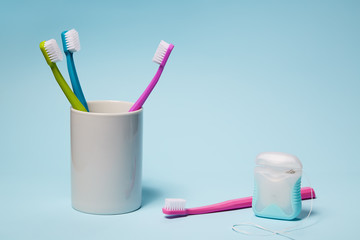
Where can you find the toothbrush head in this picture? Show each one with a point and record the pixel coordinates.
(162, 53)
(174, 206)
(51, 51)
(71, 41)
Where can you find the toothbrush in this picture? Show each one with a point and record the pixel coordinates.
(52, 54)
(71, 44)
(161, 56)
(177, 206)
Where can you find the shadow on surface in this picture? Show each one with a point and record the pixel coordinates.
(149, 195)
(304, 213)
(175, 216)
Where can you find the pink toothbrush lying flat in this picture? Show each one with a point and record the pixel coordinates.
(177, 206)
(161, 56)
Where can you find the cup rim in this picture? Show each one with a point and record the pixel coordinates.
(106, 114)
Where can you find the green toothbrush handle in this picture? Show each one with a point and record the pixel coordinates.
(74, 101)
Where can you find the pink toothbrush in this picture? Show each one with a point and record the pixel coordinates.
(177, 206)
(161, 56)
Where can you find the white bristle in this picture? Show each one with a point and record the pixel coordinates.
(72, 40)
(160, 52)
(53, 50)
(175, 204)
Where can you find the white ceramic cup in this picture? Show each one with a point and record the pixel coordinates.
(106, 158)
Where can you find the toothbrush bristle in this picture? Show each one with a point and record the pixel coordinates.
(173, 204)
(53, 50)
(72, 40)
(160, 52)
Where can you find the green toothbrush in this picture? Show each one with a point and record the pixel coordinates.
(52, 54)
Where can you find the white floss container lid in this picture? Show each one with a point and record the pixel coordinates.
(278, 159)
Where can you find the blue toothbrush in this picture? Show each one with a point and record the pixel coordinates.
(71, 44)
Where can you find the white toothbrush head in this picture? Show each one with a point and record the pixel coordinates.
(51, 51)
(72, 40)
(162, 52)
(174, 206)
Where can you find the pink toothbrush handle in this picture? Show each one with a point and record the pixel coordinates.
(223, 206)
(138, 104)
(306, 193)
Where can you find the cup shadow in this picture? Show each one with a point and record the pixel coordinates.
(149, 195)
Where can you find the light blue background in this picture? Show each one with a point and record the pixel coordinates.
(244, 77)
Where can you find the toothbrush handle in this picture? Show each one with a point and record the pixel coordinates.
(306, 193)
(74, 101)
(74, 79)
(138, 104)
(223, 206)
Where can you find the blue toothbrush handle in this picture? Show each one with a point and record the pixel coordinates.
(75, 80)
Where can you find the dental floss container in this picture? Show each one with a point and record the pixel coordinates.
(277, 186)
